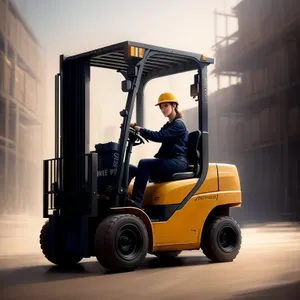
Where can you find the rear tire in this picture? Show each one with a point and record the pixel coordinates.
(58, 256)
(167, 254)
(121, 242)
(221, 239)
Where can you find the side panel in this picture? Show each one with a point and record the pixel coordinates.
(183, 230)
(228, 177)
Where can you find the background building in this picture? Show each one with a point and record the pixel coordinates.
(21, 113)
(254, 121)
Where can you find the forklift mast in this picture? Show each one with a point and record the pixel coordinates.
(75, 131)
(75, 167)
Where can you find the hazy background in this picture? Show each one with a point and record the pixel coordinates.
(254, 124)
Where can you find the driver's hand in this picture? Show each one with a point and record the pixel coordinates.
(132, 125)
(137, 128)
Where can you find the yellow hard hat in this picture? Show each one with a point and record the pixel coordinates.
(166, 97)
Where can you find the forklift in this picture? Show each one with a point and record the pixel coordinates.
(85, 191)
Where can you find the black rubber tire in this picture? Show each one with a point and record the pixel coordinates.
(167, 254)
(107, 250)
(59, 258)
(211, 244)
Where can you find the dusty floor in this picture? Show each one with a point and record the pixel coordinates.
(268, 267)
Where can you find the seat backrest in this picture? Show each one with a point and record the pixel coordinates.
(193, 150)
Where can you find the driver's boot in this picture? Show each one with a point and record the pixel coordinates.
(131, 202)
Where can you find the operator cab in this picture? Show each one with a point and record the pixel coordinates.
(72, 179)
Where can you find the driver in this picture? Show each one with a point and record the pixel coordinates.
(172, 156)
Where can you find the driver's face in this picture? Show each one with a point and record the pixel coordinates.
(166, 109)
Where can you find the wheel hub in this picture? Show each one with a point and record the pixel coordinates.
(129, 242)
(227, 239)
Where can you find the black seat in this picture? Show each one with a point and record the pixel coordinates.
(194, 159)
(193, 156)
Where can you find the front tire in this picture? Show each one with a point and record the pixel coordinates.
(121, 242)
(221, 239)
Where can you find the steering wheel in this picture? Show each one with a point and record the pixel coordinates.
(136, 138)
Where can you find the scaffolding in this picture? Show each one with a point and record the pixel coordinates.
(224, 39)
(257, 124)
(21, 113)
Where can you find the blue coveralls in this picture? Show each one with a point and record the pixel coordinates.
(171, 157)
